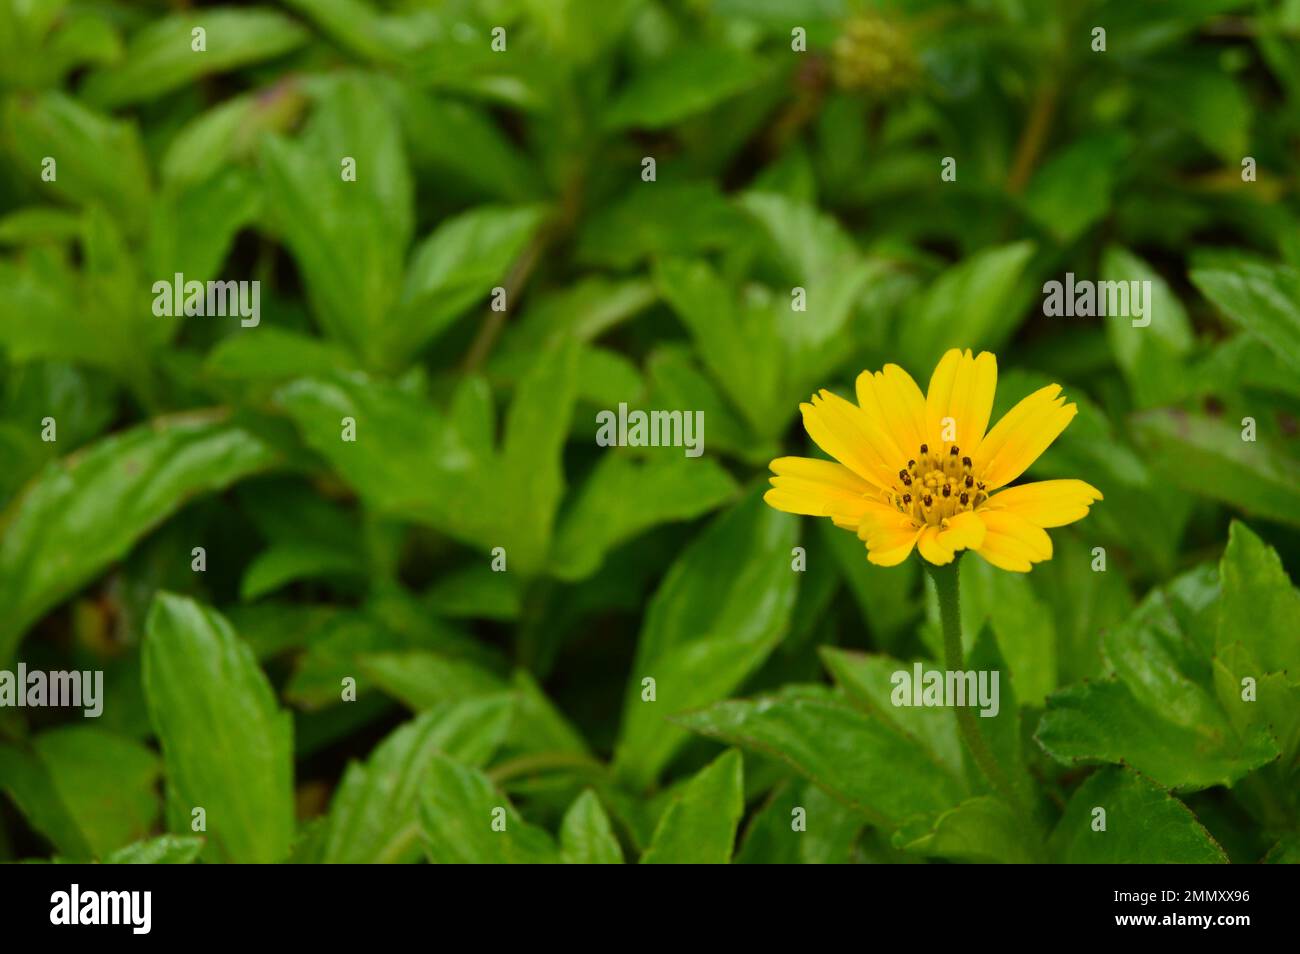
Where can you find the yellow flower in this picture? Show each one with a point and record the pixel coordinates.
(920, 471)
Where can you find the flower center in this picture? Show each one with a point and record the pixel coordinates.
(936, 485)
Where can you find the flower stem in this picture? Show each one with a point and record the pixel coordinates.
(946, 585)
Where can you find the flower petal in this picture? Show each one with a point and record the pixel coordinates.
(878, 516)
(817, 488)
(1046, 503)
(893, 399)
(888, 534)
(961, 388)
(1022, 435)
(962, 531)
(893, 549)
(842, 430)
(1011, 542)
(890, 547)
(933, 548)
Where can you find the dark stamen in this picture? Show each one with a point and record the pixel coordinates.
(966, 462)
(925, 449)
(947, 490)
(954, 451)
(970, 481)
(927, 500)
(965, 498)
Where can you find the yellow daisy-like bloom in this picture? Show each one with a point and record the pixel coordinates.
(919, 470)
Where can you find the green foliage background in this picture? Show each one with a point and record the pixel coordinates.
(475, 429)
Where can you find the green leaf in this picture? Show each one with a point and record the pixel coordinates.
(403, 448)
(1092, 449)
(971, 305)
(227, 745)
(161, 57)
(374, 816)
(1004, 730)
(1260, 606)
(586, 837)
(422, 679)
(38, 224)
(476, 591)
(228, 132)
(1160, 715)
(1072, 191)
(1207, 102)
(82, 400)
(1151, 355)
(687, 81)
(1256, 638)
(163, 850)
(827, 834)
(337, 650)
(108, 783)
(41, 53)
(1023, 624)
(458, 142)
(29, 784)
(705, 633)
(676, 381)
(868, 683)
(453, 269)
(1085, 604)
(586, 310)
(192, 230)
(808, 243)
(286, 563)
(752, 377)
(539, 726)
(465, 820)
(1261, 299)
(1143, 825)
(360, 29)
(660, 219)
(884, 594)
(623, 498)
(1285, 852)
(1129, 733)
(1241, 363)
(980, 830)
(86, 511)
(1207, 456)
(407, 462)
(349, 238)
(813, 252)
(581, 29)
(285, 515)
(699, 824)
(273, 355)
(99, 159)
(99, 314)
(856, 756)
